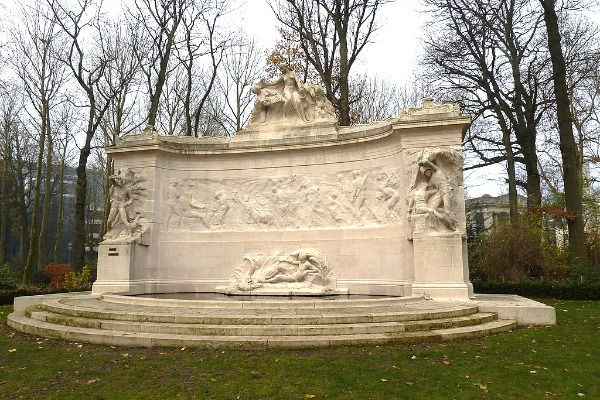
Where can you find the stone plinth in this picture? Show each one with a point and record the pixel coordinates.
(441, 269)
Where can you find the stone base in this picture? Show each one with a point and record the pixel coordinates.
(441, 270)
(115, 261)
(443, 290)
(509, 306)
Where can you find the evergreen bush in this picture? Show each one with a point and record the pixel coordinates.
(7, 282)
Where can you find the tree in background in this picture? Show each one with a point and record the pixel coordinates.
(87, 65)
(42, 76)
(160, 22)
(489, 56)
(331, 34)
(571, 157)
(242, 66)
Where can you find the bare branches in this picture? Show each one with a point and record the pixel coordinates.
(331, 34)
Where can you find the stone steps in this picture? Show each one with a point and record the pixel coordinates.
(262, 329)
(130, 322)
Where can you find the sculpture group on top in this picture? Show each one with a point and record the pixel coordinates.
(288, 100)
(350, 198)
(125, 221)
(430, 197)
(305, 270)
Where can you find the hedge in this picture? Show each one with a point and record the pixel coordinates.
(554, 290)
(8, 296)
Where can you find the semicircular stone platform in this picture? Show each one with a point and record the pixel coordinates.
(147, 322)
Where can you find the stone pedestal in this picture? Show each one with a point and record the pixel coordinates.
(115, 273)
(441, 270)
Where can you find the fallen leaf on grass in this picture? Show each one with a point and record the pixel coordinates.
(409, 383)
(533, 372)
(12, 350)
(446, 362)
(3, 382)
(413, 357)
(310, 396)
(93, 381)
(483, 387)
(580, 394)
(182, 349)
(383, 380)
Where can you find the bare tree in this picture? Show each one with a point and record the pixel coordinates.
(242, 65)
(201, 39)
(492, 55)
(42, 76)
(571, 157)
(331, 33)
(88, 65)
(374, 99)
(10, 108)
(160, 22)
(288, 51)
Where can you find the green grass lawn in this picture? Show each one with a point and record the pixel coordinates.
(561, 362)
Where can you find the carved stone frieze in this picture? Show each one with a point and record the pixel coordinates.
(305, 270)
(350, 198)
(434, 175)
(126, 222)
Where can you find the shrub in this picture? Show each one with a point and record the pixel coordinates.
(8, 296)
(75, 281)
(7, 282)
(516, 251)
(57, 272)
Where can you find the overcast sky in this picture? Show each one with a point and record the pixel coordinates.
(394, 45)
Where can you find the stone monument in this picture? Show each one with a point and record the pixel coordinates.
(293, 204)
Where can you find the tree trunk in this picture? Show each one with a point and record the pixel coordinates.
(80, 198)
(60, 211)
(572, 177)
(3, 205)
(41, 256)
(512, 177)
(533, 183)
(36, 204)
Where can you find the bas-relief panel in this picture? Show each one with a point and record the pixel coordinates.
(126, 222)
(433, 176)
(350, 198)
(304, 269)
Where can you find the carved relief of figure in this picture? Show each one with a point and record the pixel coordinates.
(292, 269)
(191, 208)
(258, 212)
(124, 221)
(174, 211)
(303, 269)
(288, 99)
(363, 193)
(431, 197)
(120, 200)
(218, 209)
(316, 213)
(286, 203)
